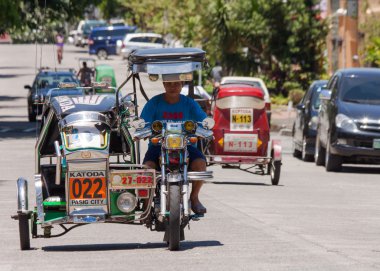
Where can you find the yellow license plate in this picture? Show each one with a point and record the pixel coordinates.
(241, 118)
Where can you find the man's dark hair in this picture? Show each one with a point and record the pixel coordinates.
(84, 64)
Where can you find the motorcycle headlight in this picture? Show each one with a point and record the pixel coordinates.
(157, 126)
(126, 202)
(189, 126)
(174, 142)
(344, 122)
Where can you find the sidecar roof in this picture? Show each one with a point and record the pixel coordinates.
(166, 55)
(65, 105)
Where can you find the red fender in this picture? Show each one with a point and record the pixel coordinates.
(277, 150)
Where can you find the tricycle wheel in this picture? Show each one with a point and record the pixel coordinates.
(23, 224)
(174, 216)
(275, 170)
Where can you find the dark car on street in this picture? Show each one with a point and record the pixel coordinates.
(103, 40)
(349, 119)
(45, 80)
(305, 124)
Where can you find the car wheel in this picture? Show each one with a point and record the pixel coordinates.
(319, 155)
(102, 54)
(32, 116)
(275, 171)
(332, 162)
(306, 157)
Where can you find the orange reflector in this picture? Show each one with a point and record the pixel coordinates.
(142, 193)
(259, 142)
(193, 140)
(221, 141)
(155, 140)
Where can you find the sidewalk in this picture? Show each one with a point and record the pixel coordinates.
(282, 118)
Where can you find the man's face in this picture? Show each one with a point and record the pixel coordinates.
(173, 87)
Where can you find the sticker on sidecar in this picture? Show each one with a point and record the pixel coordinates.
(240, 142)
(67, 103)
(241, 119)
(87, 187)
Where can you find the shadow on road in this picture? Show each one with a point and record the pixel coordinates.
(9, 98)
(186, 245)
(360, 169)
(18, 129)
(242, 183)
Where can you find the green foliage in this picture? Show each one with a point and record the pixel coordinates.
(295, 95)
(32, 20)
(279, 99)
(371, 41)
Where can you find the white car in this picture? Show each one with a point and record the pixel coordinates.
(201, 96)
(252, 81)
(140, 41)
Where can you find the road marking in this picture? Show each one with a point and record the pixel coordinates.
(29, 130)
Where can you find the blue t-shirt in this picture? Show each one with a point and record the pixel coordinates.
(186, 109)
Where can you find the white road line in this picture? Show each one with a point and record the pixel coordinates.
(29, 130)
(4, 130)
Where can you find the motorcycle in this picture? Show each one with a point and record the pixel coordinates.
(171, 201)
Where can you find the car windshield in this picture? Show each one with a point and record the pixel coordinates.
(240, 102)
(363, 90)
(52, 81)
(315, 101)
(88, 26)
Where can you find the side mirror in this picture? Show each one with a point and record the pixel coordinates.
(138, 124)
(325, 95)
(208, 123)
(300, 107)
(27, 87)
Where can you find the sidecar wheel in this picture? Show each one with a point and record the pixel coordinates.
(23, 224)
(275, 170)
(174, 217)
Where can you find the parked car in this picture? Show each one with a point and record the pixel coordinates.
(44, 81)
(348, 124)
(200, 96)
(83, 31)
(103, 40)
(135, 41)
(254, 82)
(305, 125)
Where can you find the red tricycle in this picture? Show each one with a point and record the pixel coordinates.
(241, 132)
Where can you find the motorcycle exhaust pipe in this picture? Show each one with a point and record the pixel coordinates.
(58, 165)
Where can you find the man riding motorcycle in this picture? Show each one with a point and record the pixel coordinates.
(172, 106)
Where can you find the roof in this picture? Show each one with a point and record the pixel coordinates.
(186, 54)
(240, 90)
(359, 71)
(65, 105)
(134, 35)
(58, 72)
(99, 28)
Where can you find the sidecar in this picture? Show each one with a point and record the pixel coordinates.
(241, 132)
(86, 167)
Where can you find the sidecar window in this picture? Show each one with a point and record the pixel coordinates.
(240, 102)
(78, 137)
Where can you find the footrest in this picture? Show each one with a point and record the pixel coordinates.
(196, 217)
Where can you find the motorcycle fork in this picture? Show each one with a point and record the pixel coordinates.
(184, 187)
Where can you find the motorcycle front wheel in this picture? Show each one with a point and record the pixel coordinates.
(174, 216)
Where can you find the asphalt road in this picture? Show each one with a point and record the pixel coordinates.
(313, 220)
